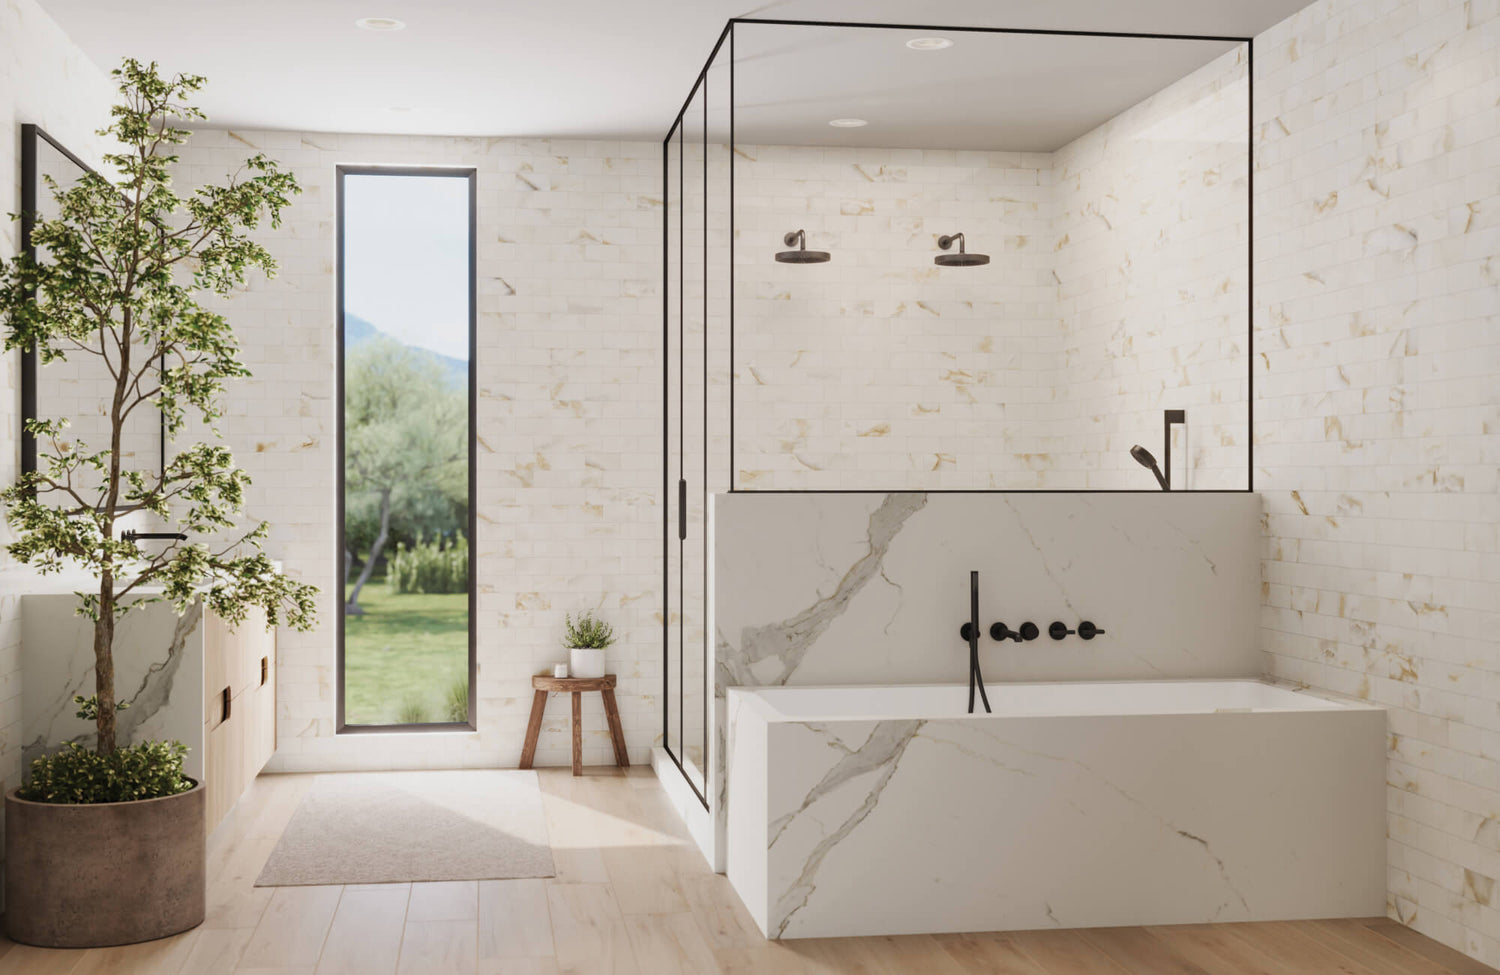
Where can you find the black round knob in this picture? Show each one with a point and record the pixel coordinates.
(999, 631)
(1058, 630)
(1088, 630)
(966, 632)
(1029, 631)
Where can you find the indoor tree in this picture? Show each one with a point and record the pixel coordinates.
(127, 260)
(404, 436)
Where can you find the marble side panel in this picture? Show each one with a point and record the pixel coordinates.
(158, 669)
(1005, 823)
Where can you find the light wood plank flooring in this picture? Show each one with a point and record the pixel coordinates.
(632, 896)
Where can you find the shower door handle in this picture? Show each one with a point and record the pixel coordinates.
(681, 509)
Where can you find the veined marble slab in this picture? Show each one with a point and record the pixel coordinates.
(1087, 805)
(158, 669)
(853, 588)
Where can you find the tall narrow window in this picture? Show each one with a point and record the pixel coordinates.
(406, 459)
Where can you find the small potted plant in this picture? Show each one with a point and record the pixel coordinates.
(587, 639)
(104, 845)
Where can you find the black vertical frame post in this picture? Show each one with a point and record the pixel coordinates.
(29, 178)
(1250, 264)
(471, 175)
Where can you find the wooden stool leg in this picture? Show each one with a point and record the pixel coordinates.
(616, 733)
(577, 732)
(533, 727)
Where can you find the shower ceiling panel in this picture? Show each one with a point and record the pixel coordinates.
(988, 91)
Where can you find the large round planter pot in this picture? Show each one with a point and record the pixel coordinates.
(585, 662)
(110, 873)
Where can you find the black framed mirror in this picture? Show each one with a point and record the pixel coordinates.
(77, 387)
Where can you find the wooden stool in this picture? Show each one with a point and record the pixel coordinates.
(576, 686)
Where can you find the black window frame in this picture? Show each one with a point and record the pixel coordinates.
(455, 172)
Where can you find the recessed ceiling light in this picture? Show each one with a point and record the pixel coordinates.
(929, 43)
(379, 23)
(848, 123)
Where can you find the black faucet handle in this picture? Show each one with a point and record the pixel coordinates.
(1058, 630)
(1087, 630)
(1028, 631)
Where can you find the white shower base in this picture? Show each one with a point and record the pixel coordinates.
(888, 810)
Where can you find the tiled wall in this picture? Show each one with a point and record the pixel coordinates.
(1152, 269)
(44, 79)
(1377, 419)
(569, 423)
(880, 369)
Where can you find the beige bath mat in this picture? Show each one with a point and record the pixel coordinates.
(395, 827)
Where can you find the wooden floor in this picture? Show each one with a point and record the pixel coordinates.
(632, 895)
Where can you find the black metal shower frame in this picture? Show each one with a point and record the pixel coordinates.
(701, 83)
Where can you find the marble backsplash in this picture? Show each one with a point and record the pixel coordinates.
(158, 670)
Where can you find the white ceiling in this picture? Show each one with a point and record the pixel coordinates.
(597, 68)
(1016, 92)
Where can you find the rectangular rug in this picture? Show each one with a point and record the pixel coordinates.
(398, 827)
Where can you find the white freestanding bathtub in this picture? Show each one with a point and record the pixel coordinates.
(889, 810)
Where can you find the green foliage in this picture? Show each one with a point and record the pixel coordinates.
(405, 446)
(88, 707)
(430, 567)
(128, 260)
(588, 632)
(414, 711)
(456, 705)
(150, 770)
(399, 645)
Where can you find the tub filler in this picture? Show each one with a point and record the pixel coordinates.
(889, 810)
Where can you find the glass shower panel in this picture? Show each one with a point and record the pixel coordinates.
(694, 459)
(672, 428)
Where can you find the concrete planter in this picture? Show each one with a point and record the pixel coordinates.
(109, 873)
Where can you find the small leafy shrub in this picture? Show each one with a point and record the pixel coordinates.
(413, 710)
(456, 705)
(78, 775)
(588, 632)
(430, 567)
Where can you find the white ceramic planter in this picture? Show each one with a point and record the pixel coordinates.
(585, 662)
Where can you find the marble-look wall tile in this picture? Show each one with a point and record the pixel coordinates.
(1377, 415)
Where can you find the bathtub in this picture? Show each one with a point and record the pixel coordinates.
(889, 810)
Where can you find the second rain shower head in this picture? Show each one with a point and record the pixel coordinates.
(962, 258)
(801, 255)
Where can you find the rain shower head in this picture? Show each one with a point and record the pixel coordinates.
(1143, 457)
(801, 255)
(962, 258)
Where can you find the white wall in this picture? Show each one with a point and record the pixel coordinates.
(1378, 412)
(46, 80)
(569, 429)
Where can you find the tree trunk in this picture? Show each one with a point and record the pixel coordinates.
(104, 664)
(352, 607)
